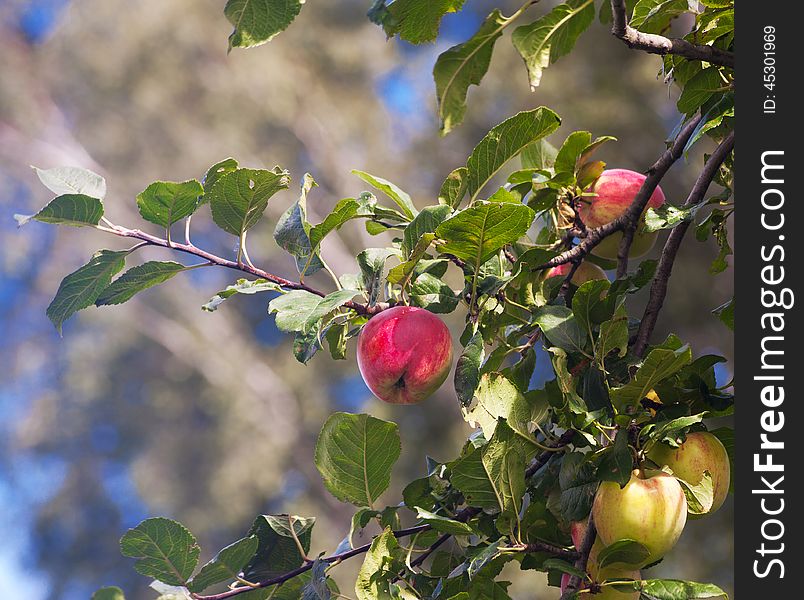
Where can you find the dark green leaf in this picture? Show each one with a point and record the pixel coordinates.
(444, 524)
(77, 210)
(226, 565)
(216, 171)
(238, 199)
(504, 142)
(137, 279)
(478, 233)
(243, 286)
(699, 89)
(433, 294)
(464, 65)
(660, 364)
(425, 222)
(454, 188)
(549, 38)
(617, 461)
(167, 202)
(400, 197)
(467, 370)
(417, 21)
(256, 22)
(623, 553)
(561, 328)
(82, 287)
(355, 454)
(277, 550)
(300, 310)
(164, 550)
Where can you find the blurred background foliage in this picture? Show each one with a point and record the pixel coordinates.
(157, 408)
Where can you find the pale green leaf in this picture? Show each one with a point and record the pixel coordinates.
(164, 549)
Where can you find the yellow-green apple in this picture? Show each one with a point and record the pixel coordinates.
(614, 191)
(404, 354)
(701, 452)
(651, 509)
(586, 271)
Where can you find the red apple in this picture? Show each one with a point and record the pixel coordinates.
(404, 354)
(615, 189)
(701, 452)
(586, 272)
(651, 509)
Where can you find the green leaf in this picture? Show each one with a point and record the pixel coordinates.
(277, 550)
(660, 364)
(666, 216)
(82, 287)
(216, 171)
(567, 384)
(379, 567)
(578, 486)
(239, 198)
(700, 495)
(464, 65)
(443, 524)
(654, 16)
(699, 89)
(478, 233)
(402, 273)
(346, 209)
(561, 328)
(425, 222)
(226, 565)
(498, 397)
(109, 593)
(549, 38)
(256, 22)
(504, 142)
(504, 464)
(318, 587)
(417, 21)
(400, 197)
(167, 202)
(372, 263)
(726, 313)
(613, 336)
(242, 286)
(469, 477)
(164, 549)
(623, 552)
(570, 151)
(672, 589)
(72, 181)
(467, 370)
(428, 291)
(300, 310)
(540, 155)
(617, 461)
(454, 188)
(355, 455)
(589, 304)
(137, 279)
(293, 232)
(76, 210)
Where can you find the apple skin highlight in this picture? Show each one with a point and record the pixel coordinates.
(404, 354)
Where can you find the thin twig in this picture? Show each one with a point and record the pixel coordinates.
(151, 240)
(658, 289)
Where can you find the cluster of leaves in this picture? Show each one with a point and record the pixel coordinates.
(487, 499)
(535, 457)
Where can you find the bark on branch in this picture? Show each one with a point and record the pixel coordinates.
(658, 289)
(659, 44)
